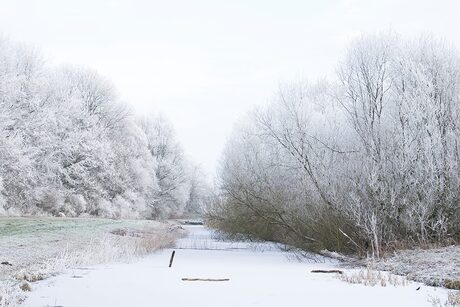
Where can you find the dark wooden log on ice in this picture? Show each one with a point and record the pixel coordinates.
(205, 279)
(327, 271)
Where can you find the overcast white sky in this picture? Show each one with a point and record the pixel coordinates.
(204, 63)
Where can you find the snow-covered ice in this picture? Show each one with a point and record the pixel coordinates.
(259, 275)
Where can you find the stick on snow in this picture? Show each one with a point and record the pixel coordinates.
(205, 279)
(172, 258)
(327, 271)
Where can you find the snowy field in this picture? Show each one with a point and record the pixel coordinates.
(25, 241)
(259, 275)
(36, 248)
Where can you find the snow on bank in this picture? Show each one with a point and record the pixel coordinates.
(259, 276)
(430, 266)
(33, 249)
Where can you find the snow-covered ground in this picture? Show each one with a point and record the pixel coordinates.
(260, 275)
(28, 241)
(36, 248)
(430, 266)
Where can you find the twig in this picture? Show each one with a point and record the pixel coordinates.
(205, 279)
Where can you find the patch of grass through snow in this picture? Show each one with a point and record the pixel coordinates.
(371, 277)
(99, 242)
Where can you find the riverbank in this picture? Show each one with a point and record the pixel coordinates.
(434, 267)
(34, 249)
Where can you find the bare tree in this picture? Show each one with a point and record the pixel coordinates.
(377, 151)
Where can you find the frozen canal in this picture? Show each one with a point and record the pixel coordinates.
(260, 275)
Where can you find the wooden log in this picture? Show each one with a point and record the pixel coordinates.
(327, 271)
(205, 279)
(172, 258)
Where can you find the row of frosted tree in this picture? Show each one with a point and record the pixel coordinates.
(365, 162)
(69, 146)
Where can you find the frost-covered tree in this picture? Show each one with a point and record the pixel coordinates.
(68, 145)
(170, 168)
(402, 100)
(200, 193)
(361, 163)
(21, 76)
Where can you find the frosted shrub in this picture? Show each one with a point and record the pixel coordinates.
(105, 209)
(126, 208)
(77, 203)
(53, 201)
(9, 294)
